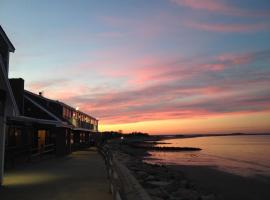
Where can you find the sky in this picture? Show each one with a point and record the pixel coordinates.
(156, 66)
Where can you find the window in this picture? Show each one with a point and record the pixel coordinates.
(71, 138)
(14, 137)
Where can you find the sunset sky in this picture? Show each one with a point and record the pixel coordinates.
(158, 66)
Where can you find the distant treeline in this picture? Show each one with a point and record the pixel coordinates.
(118, 134)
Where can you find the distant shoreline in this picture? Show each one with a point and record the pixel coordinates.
(179, 136)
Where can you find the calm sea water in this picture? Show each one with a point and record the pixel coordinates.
(242, 155)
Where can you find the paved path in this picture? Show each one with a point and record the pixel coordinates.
(79, 176)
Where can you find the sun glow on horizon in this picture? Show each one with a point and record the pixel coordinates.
(230, 123)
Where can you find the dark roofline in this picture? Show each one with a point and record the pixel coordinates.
(6, 81)
(59, 102)
(42, 108)
(41, 121)
(11, 48)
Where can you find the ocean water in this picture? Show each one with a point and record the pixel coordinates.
(241, 155)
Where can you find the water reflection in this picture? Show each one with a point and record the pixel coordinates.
(243, 155)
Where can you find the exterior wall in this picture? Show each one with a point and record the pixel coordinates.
(18, 145)
(29, 141)
(2, 134)
(17, 86)
(6, 105)
(3, 111)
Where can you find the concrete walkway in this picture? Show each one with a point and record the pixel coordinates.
(79, 176)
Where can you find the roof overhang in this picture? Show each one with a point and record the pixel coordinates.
(38, 121)
(44, 109)
(7, 84)
(11, 48)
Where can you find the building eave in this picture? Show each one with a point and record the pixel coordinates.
(44, 109)
(6, 81)
(11, 48)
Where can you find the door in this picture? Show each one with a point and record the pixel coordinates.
(41, 139)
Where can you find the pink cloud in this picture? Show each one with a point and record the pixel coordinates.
(219, 6)
(111, 34)
(237, 59)
(225, 28)
(42, 85)
(177, 101)
(165, 70)
(178, 89)
(151, 70)
(150, 27)
(209, 5)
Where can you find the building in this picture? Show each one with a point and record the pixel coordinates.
(8, 105)
(32, 125)
(45, 126)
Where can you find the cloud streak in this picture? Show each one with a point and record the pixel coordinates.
(186, 91)
(220, 7)
(228, 28)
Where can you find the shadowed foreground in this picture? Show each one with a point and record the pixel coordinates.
(227, 186)
(81, 175)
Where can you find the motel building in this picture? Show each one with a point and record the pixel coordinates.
(33, 126)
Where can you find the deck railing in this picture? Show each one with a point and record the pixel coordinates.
(123, 185)
(28, 152)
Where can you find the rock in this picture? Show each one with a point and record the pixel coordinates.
(149, 178)
(208, 197)
(186, 194)
(155, 192)
(157, 198)
(142, 174)
(183, 183)
(159, 183)
(172, 187)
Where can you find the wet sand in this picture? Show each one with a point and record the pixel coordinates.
(226, 186)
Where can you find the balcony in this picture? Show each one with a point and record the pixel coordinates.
(81, 124)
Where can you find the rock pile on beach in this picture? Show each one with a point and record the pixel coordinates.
(164, 183)
(160, 181)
